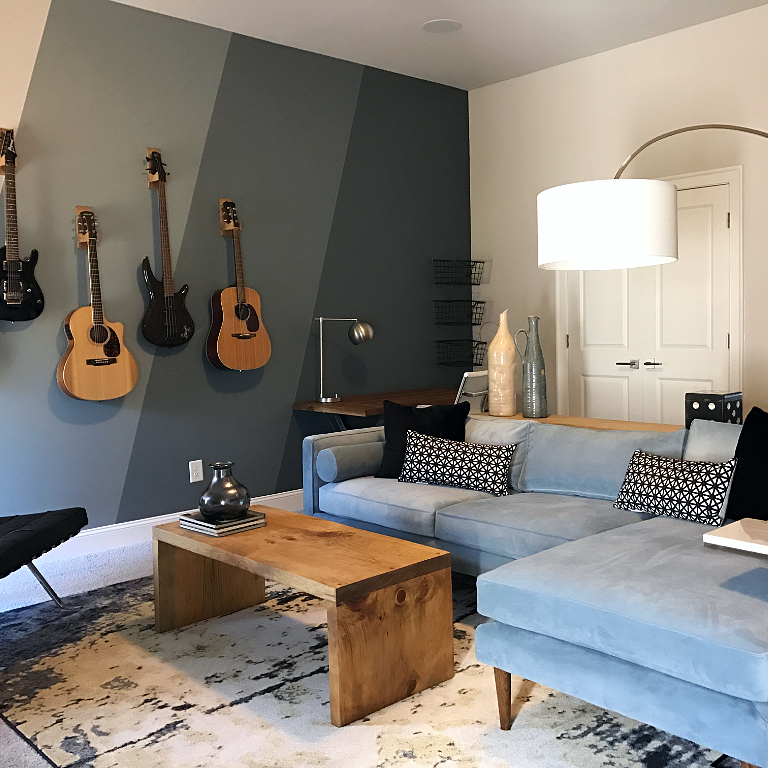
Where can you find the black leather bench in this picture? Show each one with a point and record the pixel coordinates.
(25, 537)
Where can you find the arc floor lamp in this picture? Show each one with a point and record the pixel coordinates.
(614, 223)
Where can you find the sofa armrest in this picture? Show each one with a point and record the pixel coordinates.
(313, 444)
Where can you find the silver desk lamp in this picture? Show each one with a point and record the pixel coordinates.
(358, 332)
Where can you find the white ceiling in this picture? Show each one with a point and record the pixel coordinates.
(500, 39)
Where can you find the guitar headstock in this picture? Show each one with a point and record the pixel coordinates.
(156, 172)
(7, 148)
(87, 226)
(228, 220)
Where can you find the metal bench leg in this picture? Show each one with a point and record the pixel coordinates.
(45, 585)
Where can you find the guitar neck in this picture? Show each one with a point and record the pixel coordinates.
(239, 277)
(93, 276)
(11, 225)
(165, 241)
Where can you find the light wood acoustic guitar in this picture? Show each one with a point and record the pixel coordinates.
(238, 339)
(96, 365)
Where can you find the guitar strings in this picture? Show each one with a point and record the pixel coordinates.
(165, 246)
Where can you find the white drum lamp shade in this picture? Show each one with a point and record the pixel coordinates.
(608, 224)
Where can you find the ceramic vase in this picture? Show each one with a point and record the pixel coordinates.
(502, 371)
(225, 498)
(534, 378)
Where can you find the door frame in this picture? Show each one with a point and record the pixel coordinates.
(731, 176)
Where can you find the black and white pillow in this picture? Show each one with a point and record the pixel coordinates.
(690, 490)
(475, 466)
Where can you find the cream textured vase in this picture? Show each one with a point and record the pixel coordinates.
(502, 371)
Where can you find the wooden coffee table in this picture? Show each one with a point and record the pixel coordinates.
(390, 613)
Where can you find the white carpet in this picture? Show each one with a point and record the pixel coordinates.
(95, 687)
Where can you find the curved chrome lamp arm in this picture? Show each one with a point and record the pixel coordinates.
(688, 128)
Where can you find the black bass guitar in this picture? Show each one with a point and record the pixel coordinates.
(21, 298)
(166, 323)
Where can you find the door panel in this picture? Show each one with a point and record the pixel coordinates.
(605, 397)
(684, 288)
(670, 396)
(686, 309)
(673, 319)
(607, 333)
(604, 323)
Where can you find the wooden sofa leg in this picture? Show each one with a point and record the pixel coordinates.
(748, 765)
(504, 698)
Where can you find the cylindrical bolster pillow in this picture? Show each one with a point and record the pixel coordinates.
(343, 462)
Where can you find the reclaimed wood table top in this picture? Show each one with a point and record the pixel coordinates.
(331, 561)
(373, 405)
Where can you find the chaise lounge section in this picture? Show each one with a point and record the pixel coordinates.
(624, 610)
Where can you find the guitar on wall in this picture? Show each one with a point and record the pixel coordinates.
(238, 339)
(166, 323)
(21, 298)
(96, 365)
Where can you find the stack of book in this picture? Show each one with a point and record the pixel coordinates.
(194, 521)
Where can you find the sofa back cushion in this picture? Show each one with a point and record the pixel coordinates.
(589, 462)
(711, 441)
(491, 430)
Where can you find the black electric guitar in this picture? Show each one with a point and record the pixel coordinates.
(21, 298)
(166, 323)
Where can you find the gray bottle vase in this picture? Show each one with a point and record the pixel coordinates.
(534, 378)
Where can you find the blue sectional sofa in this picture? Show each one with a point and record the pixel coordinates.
(624, 610)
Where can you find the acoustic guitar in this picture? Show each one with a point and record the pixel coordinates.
(166, 323)
(96, 365)
(21, 298)
(238, 339)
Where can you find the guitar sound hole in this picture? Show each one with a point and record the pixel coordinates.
(99, 334)
(248, 313)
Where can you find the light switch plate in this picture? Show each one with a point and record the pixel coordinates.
(196, 471)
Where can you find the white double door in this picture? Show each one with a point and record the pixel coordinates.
(639, 339)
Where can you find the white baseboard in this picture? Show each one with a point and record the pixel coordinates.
(94, 540)
(98, 557)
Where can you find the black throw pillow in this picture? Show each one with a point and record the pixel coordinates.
(749, 490)
(436, 421)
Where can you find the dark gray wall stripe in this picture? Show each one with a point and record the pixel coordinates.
(276, 146)
(404, 200)
(348, 181)
(108, 81)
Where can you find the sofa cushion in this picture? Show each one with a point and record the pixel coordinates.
(525, 523)
(437, 461)
(690, 490)
(711, 441)
(343, 462)
(446, 421)
(492, 430)
(749, 489)
(651, 594)
(589, 462)
(387, 502)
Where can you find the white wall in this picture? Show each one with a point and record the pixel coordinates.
(580, 120)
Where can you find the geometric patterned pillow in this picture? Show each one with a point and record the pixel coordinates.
(475, 466)
(691, 490)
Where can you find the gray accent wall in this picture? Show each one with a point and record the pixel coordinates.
(348, 181)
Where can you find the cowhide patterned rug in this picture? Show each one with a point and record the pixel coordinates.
(94, 686)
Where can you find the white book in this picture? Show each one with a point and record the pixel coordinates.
(190, 526)
(198, 519)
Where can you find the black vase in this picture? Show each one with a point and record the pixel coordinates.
(225, 498)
